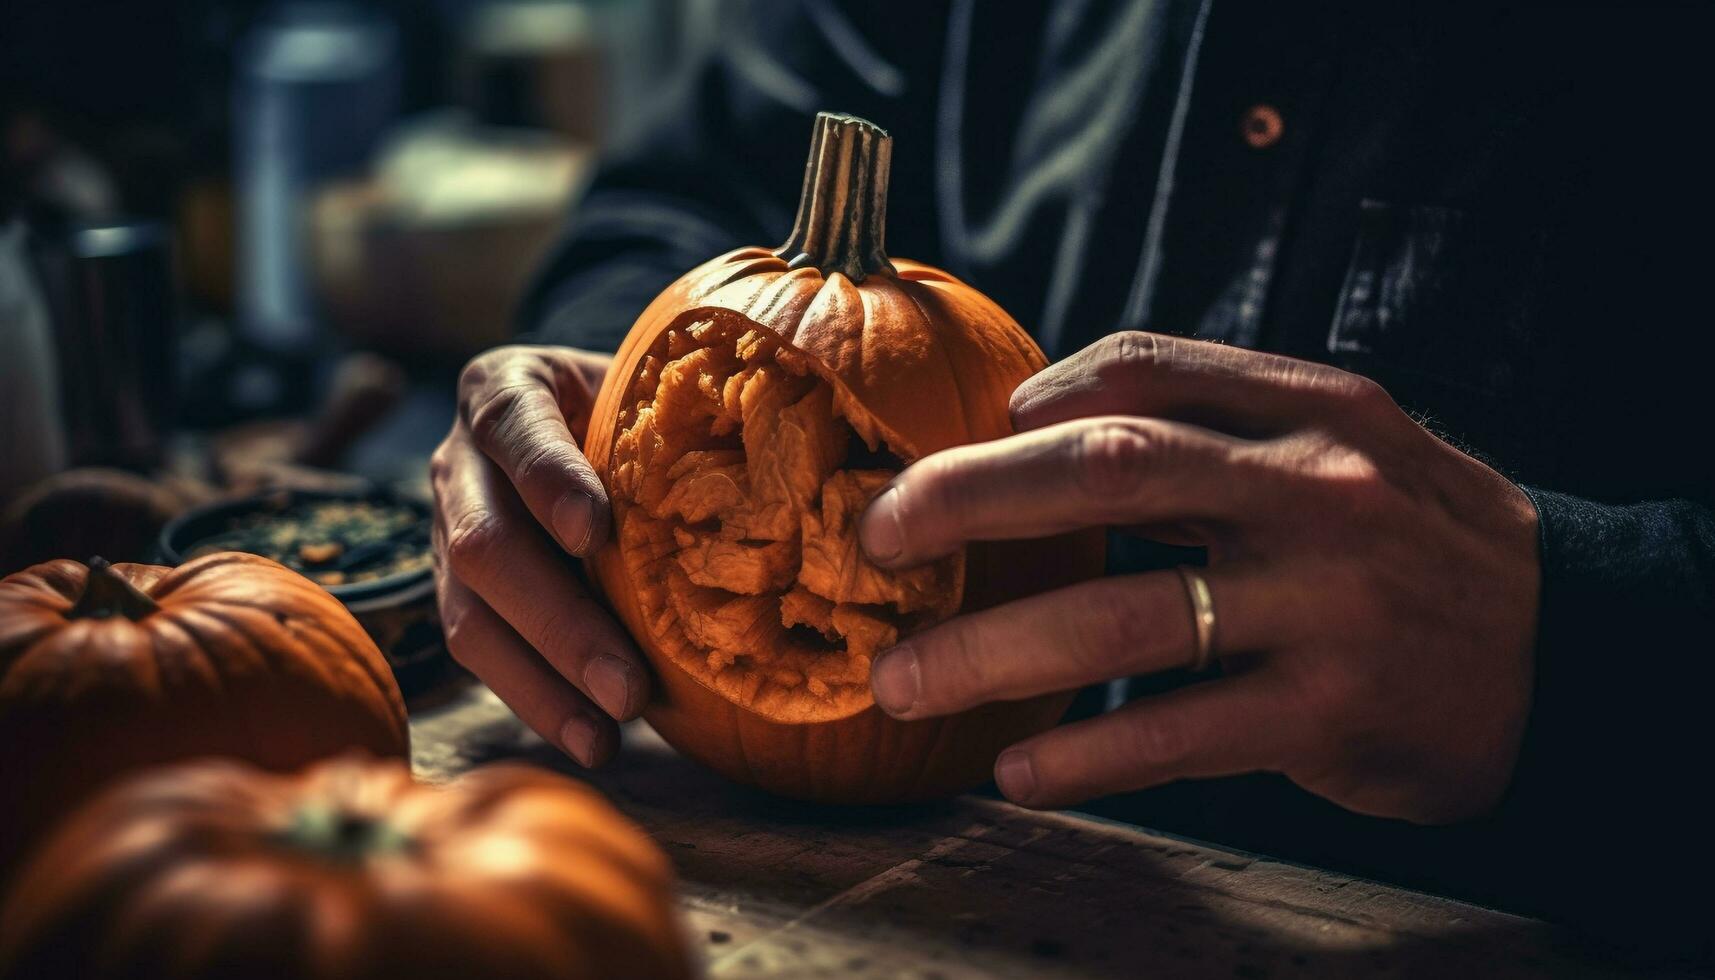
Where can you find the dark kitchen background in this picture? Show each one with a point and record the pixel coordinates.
(247, 244)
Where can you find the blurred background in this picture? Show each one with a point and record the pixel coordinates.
(248, 244)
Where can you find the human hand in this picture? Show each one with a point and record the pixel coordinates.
(1375, 589)
(513, 498)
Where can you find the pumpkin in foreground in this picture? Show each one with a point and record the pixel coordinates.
(754, 410)
(106, 669)
(352, 870)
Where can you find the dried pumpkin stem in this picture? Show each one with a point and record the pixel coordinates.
(842, 210)
(106, 594)
(339, 834)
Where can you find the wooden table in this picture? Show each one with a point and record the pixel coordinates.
(978, 888)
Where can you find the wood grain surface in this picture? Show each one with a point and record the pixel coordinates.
(976, 887)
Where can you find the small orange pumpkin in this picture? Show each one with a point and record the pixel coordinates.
(106, 669)
(352, 870)
(754, 410)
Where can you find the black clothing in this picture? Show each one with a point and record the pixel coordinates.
(1502, 215)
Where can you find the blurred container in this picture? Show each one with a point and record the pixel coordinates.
(30, 426)
(206, 243)
(116, 332)
(431, 256)
(398, 611)
(317, 84)
(536, 64)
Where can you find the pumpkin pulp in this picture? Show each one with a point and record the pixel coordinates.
(742, 480)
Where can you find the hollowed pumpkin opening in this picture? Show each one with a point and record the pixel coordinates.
(739, 475)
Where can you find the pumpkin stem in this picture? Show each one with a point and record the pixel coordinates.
(106, 594)
(842, 210)
(341, 835)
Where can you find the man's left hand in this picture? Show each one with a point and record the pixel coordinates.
(1375, 589)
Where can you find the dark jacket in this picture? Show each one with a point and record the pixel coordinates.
(1502, 215)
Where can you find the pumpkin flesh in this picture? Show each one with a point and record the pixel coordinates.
(744, 484)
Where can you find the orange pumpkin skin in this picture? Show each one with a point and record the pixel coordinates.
(350, 869)
(238, 656)
(917, 362)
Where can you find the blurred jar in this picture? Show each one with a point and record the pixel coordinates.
(317, 86)
(116, 334)
(30, 426)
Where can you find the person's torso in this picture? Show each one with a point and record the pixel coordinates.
(1496, 213)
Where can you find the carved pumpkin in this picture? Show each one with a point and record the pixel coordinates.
(216, 869)
(110, 668)
(754, 410)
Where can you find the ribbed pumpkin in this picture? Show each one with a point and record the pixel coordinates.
(350, 870)
(754, 410)
(108, 669)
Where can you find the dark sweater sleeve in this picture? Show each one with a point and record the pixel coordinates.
(717, 162)
(1611, 792)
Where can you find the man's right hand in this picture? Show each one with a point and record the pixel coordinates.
(513, 498)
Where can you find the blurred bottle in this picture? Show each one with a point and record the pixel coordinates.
(317, 85)
(30, 427)
(116, 335)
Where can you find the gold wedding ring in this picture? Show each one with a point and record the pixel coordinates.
(1202, 617)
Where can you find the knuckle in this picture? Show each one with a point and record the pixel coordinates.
(458, 647)
(939, 490)
(1354, 480)
(538, 461)
(474, 539)
(1154, 744)
(1343, 388)
(544, 461)
(1112, 458)
(456, 628)
(1353, 392)
(954, 670)
(1110, 631)
(1135, 350)
(493, 412)
(1362, 391)
(480, 369)
(1018, 404)
(558, 630)
(441, 461)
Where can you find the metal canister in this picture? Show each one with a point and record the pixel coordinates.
(116, 333)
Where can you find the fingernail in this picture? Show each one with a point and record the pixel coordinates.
(574, 517)
(608, 681)
(895, 680)
(1015, 776)
(578, 736)
(880, 533)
